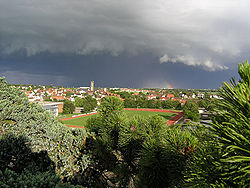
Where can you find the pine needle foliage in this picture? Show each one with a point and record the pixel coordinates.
(143, 152)
(223, 158)
(234, 134)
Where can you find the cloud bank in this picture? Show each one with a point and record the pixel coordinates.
(210, 34)
(207, 64)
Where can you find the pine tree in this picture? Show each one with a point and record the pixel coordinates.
(223, 158)
(234, 132)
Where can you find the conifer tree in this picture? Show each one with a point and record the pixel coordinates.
(65, 146)
(223, 157)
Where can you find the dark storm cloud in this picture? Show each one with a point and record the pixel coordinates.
(107, 71)
(209, 34)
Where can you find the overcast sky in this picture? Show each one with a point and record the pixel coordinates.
(142, 43)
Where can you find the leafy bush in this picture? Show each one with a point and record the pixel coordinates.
(65, 147)
(19, 166)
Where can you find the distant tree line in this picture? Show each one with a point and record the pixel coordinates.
(141, 101)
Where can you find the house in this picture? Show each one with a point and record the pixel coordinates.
(164, 98)
(204, 115)
(169, 95)
(53, 107)
(59, 98)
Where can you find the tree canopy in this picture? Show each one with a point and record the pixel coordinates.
(191, 111)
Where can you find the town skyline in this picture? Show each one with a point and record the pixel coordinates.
(169, 87)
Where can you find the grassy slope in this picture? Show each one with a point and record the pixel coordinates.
(81, 121)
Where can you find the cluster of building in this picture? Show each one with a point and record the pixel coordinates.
(164, 95)
(50, 97)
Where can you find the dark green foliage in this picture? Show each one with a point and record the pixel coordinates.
(111, 114)
(203, 103)
(234, 133)
(65, 147)
(139, 151)
(191, 111)
(223, 157)
(20, 167)
(140, 101)
(202, 171)
(110, 107)
(79, 102)
(170, 104)
(160, 166)
(106, 125)
(130, 103)
(17, 155)
(213, 105)
(165, 156)
(68, 107)
(68, 93)
(88, 103)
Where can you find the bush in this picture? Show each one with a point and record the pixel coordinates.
(19, 166)
(65, 147)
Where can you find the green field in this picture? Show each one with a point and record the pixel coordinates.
(62, 116)
(81, 121)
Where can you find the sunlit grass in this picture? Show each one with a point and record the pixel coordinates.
(81, 121)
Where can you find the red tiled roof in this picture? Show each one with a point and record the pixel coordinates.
(58, 97)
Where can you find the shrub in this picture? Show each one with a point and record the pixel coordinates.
(65, 147)
(19, 166)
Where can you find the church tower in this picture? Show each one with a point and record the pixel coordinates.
(92, 86)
